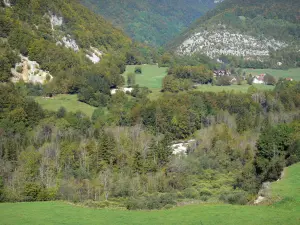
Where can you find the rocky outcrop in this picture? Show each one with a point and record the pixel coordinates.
(30, 72)
(7, 3)
(55, 21)
(220, 41)
(94, 55)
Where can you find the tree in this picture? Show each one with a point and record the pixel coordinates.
(130, 79)
(138, 69)
(269, 80)
(224, 81)
(61, 112)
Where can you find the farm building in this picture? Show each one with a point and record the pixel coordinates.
(259, 79)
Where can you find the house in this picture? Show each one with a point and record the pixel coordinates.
(259, 79)
(125, 90)
(221, 73)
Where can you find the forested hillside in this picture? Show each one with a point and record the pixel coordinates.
(244, 28)
(127, 153)
(151, 21)
(65, 39)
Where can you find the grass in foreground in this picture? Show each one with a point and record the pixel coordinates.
(151, 76)
(70, 102)
(291, 73)
(284, 212)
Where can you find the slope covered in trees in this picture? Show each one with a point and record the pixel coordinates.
(60, 35)
(151, 21)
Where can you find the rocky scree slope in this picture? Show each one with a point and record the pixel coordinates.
(243, 28)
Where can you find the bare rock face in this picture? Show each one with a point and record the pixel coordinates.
(70, 43)
(220, 41)
(94, 55)
(30, 72)
(7, 3)
(55, 21)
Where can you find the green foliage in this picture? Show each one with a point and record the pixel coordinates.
(131, 79)
(224, 81)
(276, 147)
(198, 74)
(168, 18)
(269, 79)
(8, 60)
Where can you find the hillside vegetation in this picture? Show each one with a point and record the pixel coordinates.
(285, 211)
(62, 37)
(248, 29)
(151, 21)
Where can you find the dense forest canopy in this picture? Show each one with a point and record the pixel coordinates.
(151, 21)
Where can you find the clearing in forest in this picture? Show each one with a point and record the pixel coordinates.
(69, 102)
(151, 75)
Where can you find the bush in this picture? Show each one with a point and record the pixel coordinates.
(191, 193)
(205, 192)
(168, 206)
(138, 69)
(235, 198)
(223, 81)
(31, 191)
(19, 69)
(155, 201)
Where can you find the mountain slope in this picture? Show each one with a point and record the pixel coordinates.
(151, 21)
(63, 38)
(248, 28)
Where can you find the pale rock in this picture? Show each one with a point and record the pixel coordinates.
(70, 43)
(55, 21)
(7, 3)
(31, 72)
(222, 41)
(114, 91)
(94, 55)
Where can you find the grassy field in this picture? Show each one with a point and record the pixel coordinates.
(234, 87)
(291, 73)
(286, 211)
(70, 102)
(151, 76)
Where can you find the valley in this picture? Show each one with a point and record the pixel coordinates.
(149, 112)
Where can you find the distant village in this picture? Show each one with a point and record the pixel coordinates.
(258, 79)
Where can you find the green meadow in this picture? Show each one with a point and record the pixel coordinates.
(70, 102)
(290, 73)
(151, 75)
(284, 212)
(237, 88)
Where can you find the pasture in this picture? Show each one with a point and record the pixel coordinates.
(237, 88)
(70, 102)
(285, 211)
(151, 75)
(290, 73)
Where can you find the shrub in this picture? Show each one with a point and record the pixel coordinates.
(19, 69)
(205, 192)
(236, 198)
(168, 206)
(154, 201)
(138, 69)
(190, 193)
(31, 191)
